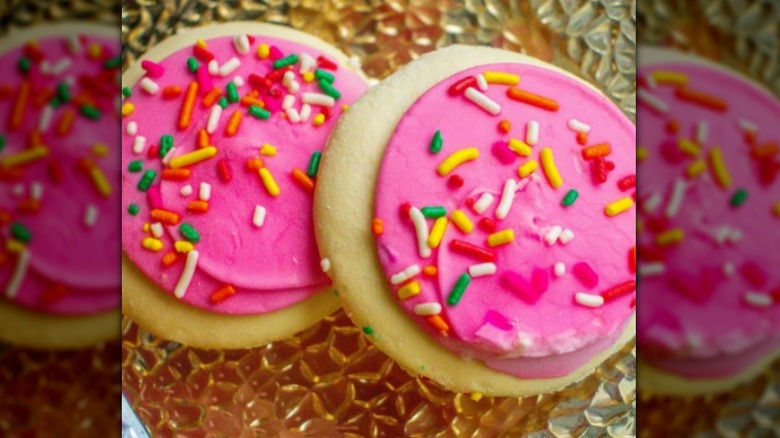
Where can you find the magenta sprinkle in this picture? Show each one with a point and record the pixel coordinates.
(585, 274)
(154, 197)
(502, 152)
(517, 284)
(671, 153)
(153, 70)
(274, 53)
(539, 280)
(204, 79)
(498, 320)
(753, 274)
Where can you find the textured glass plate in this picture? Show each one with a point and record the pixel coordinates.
(329, 380)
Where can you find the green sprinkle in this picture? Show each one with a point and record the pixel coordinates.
(192, 64)
(63, 92)
(232, 92)
(2, 143)
(146, 180)
(91, 112)
(368, 330)
(328, 89)
(166, 143)
(457, 291)
(259, 113)
(189, 233)
(223, 102)
(436, 142)
(55, 102)
(24, 64)
(739, 198)
(335, 293)
(112, 63)
(570, 197)
(20, 232)
(314, 164)
(323, 75)
(135, 166)
(284, 62)
(132, 209)
(434, 212)
(127, 92)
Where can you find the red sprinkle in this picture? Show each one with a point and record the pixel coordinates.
(455, 182)
(202, 54)
(651, 253)
(404, 210)
(657, 224)
(54, 293)
(34, 52)
(610, 165)
(627, 182)
(153, 151)
(259, 81)
(224, 171)
(753, 274)
(632, 260)
(459, 87)
(504, 126)
(618, 291)
(673, 126)
(468, 249)
(585, 274)
(276, 75)
(688, 288)
(56, 173)
(599, 170)
(470, 202)
(486, 224)
(326, 111)
(582, 138)
(325, 63)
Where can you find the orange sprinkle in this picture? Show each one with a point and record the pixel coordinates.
(377, 226)
(439, 323)
(532, 99)
(765, 151)
(599, 150)
(673, 126)
(203, 138)
(253, 93)
(197, 206)
(632, 260)
(254, 163)
(66, 122)
(504, 126)
(247, 101)
(171, 92)
(703, 99)
(430, 270)
(54, 293)
(222, 293)
(303, 180)
(17, 114)
(175, 174)
(211, 97)
(169, 258)
(186, 108)
(233, 123)
(29, 206)
(83, 99)
(750, 138)
(165, 216)
(5, 217)
(582, 138)
(34, 138)
(43, 97)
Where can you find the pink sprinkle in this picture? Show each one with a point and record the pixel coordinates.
(539, 280)
(205, 83)
(585, 274)
(274, 53)
(753, 274)
(153, 70)
(154, 197)
(514, 282)
(498, 320)
(671, 152)
(503, 153)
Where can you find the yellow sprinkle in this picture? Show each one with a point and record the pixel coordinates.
(100, 150)
(152, 244)
(618, 206)
(268, 181)
(200, 43)
(548, 165)
(641, 153)
(127, 109)
(94, 50)
(318, 120)
(662, 77)
(437, 232)
(263, 51)
(520, 147)
(15, 246)
(688, 147)
(462, 221)
(777, 209)
(308, 77)
(100, 181)
(476, 396)
(501, 238)
(268, 150)
(147, 227)
(696, 168)
(344, 107)
(499, 77)
(671, 237)
(718, 168)
(24, 156)
(193, 157)
(409, 290)
(183, 246)
(527, 168)
(639, 226)
(456, 159)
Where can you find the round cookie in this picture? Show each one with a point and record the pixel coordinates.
(479, 222)
(222, 130)
(708, 219)
(59, 203)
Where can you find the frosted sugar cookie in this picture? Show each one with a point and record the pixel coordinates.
(222, 132)
(477, 211)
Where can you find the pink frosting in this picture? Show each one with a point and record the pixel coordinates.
(536, 328)
(73, 269)
(720, 333)
(272, 266)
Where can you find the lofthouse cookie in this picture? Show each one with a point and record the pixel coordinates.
(222, 132)
(708, 226)
(476, 209)
(59, 200)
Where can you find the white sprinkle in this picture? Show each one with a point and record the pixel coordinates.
(288, 78)
(149, 86)
(559, 269)
(532, 133)
(507, 198)
(576, 125)
(421, 229)
(651, 81)
(748, 126)
(288, 101)
(702, 131)
(258, 218)
(675, 202)
(157, 229)
(729, 269)
(186, 275)
(758, 299)
(652, 203)
(482, 269)
(523, 183)
(722, 234)
(427, 309)
(317, 99)
(45, 120)
(36, 190)
(61, 66)
(213, 67)
(307, 62)
(238, 81)
(74, 44)
(589, 300)
(305, 112)
(293, 87)
(70, 80)
(241, 43)
(20, 270)
(139, 144)
(735, 235)
(566, 236)
(652, 101)
(482, 82)
(216, 113)
(651, 269)
(325, 265)
(90, 216)
(292, 115)
(186, 190)
(45, 66)
(552, 236)
(406, 274)
(205, 191)
(483, 203)
(168, 155)
(17, 190)
(132, 128)
(229, 67)
(482, 101)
